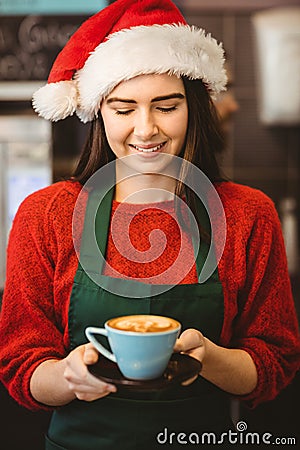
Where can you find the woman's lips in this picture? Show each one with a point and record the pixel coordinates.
(148, 148)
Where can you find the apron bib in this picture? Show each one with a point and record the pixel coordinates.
(135, 421)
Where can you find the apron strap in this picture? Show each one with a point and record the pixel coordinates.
(95, 231)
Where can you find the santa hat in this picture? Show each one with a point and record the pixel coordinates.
(126, 39)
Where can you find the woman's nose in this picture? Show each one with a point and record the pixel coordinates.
(145, 125)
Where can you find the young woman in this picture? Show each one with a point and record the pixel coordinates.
(146, 90)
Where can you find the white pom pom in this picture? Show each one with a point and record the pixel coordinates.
(56, 101)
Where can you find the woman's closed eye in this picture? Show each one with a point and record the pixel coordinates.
(126, 112)
(123, 112)
(166, 109)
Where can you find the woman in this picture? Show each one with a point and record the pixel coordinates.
(149, 108)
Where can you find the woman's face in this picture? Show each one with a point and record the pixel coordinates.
(146, 116)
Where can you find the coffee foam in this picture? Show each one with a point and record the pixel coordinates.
(143, 323)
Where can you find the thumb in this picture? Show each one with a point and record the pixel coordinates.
(90, 355)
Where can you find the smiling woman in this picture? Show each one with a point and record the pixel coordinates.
(121, 238)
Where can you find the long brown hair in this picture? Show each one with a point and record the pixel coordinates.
(203, 141)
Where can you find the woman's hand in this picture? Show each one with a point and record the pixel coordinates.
(80, 381)
(192, 343)
(232, 370)
(56, 382)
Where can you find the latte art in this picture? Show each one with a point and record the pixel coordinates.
(144, 323)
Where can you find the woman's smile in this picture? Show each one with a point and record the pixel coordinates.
(150, 148)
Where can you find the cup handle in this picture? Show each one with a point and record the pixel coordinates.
(89, 332)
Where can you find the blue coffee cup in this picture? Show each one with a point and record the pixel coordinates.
(141, 345)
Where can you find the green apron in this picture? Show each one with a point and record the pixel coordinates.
(133, 421)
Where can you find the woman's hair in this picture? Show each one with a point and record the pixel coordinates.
(203, 141)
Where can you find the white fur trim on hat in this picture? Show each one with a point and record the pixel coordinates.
(56, 101)
(181, 50)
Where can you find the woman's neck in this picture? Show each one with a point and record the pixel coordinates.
(145, 188)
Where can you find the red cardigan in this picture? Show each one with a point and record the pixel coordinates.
(259, 312)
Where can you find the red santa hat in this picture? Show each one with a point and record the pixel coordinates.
(126, 39)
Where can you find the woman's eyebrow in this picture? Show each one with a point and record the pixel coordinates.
(156, 99)
(168, 97)
(121, 100)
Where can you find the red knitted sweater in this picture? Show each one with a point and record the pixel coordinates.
(259, 313)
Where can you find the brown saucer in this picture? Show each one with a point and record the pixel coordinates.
(181, 367)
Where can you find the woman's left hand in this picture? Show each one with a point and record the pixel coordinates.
(192, 343)
(231, 369)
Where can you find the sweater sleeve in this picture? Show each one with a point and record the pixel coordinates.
(29, 329)
(266, 325)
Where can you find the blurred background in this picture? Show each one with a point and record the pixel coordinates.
(260, 116)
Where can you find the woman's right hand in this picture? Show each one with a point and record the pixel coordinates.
(56, 382)
(80, 381)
